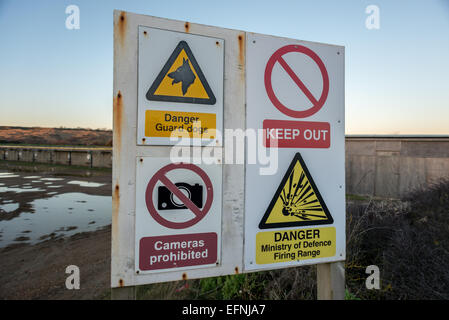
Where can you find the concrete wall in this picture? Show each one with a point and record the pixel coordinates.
(394, 166)
(95, 157)
(42, 156)
(81, 158)
(102, 159)
(61, 157)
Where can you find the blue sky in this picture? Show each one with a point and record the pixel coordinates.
(397, 77)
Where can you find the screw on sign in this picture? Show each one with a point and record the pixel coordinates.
(172, 187)
(278, 57)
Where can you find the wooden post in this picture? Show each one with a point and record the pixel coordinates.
(125, 293)
(331, 281)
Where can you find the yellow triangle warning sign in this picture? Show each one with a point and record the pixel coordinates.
(297, 201)
(181, 80)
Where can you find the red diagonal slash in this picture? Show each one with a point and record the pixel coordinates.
(160, 175)
(288, 110)
(181, 196)
(298, 81)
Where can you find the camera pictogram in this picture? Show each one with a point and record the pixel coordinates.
(166, 200)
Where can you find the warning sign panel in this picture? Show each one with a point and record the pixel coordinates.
(297, 201)
(295, 213)
(180, 88)
(181, 80)
(294, 245)
(178, 214)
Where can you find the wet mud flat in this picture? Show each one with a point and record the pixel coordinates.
(38, 271)
(52, 217)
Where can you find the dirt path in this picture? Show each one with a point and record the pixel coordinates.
(38, 271)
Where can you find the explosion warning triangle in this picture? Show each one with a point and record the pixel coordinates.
(297, 201)
(181, 80)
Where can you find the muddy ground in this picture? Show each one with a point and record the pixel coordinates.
(37, 271)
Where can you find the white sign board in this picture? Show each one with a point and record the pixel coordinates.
(180, 88)
(295, 215)
(205, 217)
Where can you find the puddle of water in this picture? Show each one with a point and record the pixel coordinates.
(19, 190)
(8, 175)
(86, 183)
(52, 179)
(49, 212)
(52, 216)
(9, 207)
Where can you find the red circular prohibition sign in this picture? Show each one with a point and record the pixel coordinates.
(277, 57)
(161, 176)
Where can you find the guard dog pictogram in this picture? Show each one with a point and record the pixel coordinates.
(181, 80)
(183, 74)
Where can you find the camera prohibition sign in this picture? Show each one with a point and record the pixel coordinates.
(160, 175)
